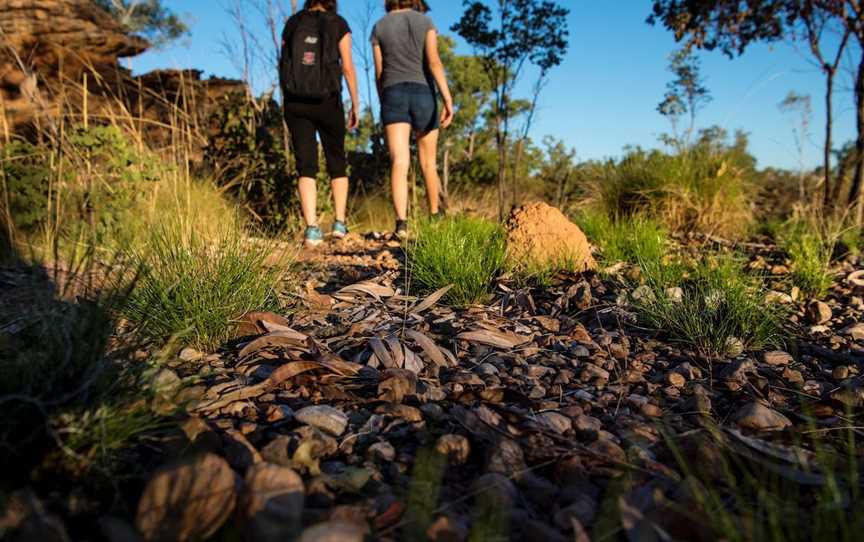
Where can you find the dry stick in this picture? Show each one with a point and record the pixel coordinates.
(6, 137)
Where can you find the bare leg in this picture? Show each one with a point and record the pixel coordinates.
(399, 143)
(308, 200)
(340, 197)
(427, 147)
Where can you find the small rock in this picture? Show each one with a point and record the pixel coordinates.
(855, 332)
(271, 504)
(279, 413)
(793, 376)
(676, 379)
(556, 422)
(840, 373)
(506, 458)
(818, 312)
(190, 355)
(335, 531)
(382, 451)
(588, 427)
(758, 417)
(777, 358)
(734, 347)
(495, 490)
(323, 417)
(456, 447)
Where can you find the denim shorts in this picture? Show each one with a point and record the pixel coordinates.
(412, 103)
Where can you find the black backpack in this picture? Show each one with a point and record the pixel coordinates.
(306, 66)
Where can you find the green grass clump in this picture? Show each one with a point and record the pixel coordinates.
(718, 306)
(467, 253)
(192, 288)
(810, 244)
(631, 239)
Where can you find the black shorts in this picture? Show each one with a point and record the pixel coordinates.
(411, 103)
(327, 118)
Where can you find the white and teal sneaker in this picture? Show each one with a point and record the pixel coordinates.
(340, 230)
(313, 236)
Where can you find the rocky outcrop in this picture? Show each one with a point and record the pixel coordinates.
(63, 57)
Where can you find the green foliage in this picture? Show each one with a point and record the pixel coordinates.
(705, 188)
(25, 182)
(192, 289)
(247, 154)
(633, 239)
(464, 252)
(685, 94)
(810, 247)
(92, 190)
(146, 17)
(717, 307)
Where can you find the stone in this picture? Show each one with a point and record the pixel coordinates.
(676, 379)
(190, 355)
(556, 422)
(506, 458)
(540, 236)
(818, 312)
(335, 531)
(382, 451)
(271, 503)
(588, 427)
(495, 490)
(456, 447)
(324, 417)
(758, 417)
(855, 331)
(187, 501)
(777, 358)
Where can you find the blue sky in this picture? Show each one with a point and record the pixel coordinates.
(604, 96)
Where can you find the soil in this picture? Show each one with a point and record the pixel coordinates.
(539, 235)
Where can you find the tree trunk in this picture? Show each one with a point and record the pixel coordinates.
(829, 126)
(855, 192)
(502, 165)
(517, 162)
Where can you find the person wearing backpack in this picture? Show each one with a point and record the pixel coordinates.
(316, 54)
(408, 71)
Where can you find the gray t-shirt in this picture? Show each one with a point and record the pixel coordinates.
(402, 37)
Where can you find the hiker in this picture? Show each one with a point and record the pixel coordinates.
(408, 70)
(316, 53)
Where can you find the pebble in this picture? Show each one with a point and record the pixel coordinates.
(818, 312)
(456, 447)
(778, 357)
(382, 451)
(556, 422)
(271, 503)
(324, 417)
(758, 417)
(855, 331)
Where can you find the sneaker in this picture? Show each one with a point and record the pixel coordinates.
(340, 230)
(313, 236)
(401, 229)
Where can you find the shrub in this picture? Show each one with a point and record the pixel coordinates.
(191, 288)
(467, 253)
(705, 188)
(717, 309)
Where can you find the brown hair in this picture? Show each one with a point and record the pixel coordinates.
(390, 5)
(421, 6)
(326, 5)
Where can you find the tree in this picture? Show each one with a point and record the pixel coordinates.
(686, 94)
(799, 104)
(149, 18)
(516, 33)
(732, 25)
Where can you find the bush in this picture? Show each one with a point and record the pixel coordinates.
(191, 288)
(464, 252)
(718, 309)
(706, 188)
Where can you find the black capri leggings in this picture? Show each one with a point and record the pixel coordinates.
(327, 117)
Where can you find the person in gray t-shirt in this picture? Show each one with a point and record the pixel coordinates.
(408, 70)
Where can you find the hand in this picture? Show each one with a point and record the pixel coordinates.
(447, 114)
(353, 119)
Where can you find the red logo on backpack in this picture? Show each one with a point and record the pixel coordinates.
(309, 58)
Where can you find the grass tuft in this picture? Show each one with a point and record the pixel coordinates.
(810, 243)
(631, 239)
(191, 289)
(465, 252)
(716, 309)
